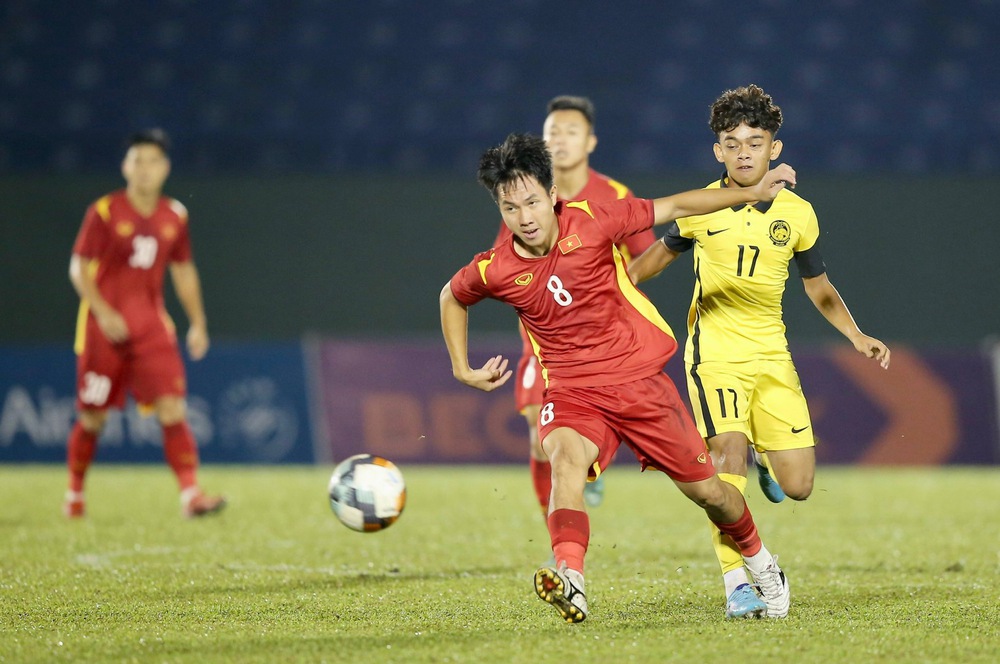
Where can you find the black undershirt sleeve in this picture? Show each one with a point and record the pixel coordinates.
(810, 262)
(675, 241)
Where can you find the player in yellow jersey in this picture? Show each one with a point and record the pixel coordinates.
(743, 386)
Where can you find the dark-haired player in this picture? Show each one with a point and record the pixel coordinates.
(601, 347)
(569, 134)
(743, 386)
(125, 341)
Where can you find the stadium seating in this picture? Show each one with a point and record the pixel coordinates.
(388, 86)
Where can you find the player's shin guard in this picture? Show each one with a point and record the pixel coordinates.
(80, 449)
(570, 533)
(725, 549)
(181, 452)
(541, 479)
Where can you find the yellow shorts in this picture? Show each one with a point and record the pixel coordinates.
(761, 399)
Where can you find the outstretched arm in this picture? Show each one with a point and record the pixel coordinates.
(832, 306)
(188, 287)
(651, 262)
(455, 326)
(703, 201)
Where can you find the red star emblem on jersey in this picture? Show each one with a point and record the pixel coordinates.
(568, 244)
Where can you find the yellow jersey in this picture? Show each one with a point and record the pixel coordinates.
(741, 257)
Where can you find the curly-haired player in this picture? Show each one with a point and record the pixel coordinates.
(743, 386)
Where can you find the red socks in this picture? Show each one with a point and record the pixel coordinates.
(541, 478)
(744, 533)
(80, 450)
(570, 533)
(181, 452)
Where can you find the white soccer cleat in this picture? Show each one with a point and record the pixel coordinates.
(563, 589)
(774, 589)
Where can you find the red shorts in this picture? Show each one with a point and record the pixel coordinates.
(647, 415)
(148, 366)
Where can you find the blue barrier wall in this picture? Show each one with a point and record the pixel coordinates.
(248, 403)
(327, 399)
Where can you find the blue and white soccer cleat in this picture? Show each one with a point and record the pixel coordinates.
(770, 487)
(593, 492)
(563, 589)
(745, 603)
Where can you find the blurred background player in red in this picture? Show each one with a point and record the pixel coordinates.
(125, 340)
(569, 135)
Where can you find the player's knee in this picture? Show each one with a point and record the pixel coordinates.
(798, 487)
(729, 452)
(170, 410)
(707, 495)
(93, 421)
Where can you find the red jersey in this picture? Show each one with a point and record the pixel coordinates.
(589, 325)
(600, 188)
(129, 254)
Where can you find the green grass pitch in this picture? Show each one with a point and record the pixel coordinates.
(885, 565)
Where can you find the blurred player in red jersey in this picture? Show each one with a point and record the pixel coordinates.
(601, 347)
(125, 340)
(569, 134)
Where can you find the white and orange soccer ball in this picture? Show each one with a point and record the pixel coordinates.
(367, 493)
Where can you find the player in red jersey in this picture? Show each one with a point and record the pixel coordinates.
(125, 341)
(569, 134)
(601, 345)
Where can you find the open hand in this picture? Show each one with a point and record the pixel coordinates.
(493, 374)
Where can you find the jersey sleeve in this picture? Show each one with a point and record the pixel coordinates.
(92, 240)
(808, 258)
(180, 251)
(470, 284)
(623, 218)
(675, 240)
(809, 234)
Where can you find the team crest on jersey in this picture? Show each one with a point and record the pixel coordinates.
(568, 244)
(124, 228)
(779, 232)
(524, 279)
(168, 232)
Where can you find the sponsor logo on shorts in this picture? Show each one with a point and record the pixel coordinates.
(702, 458)
(799, 429)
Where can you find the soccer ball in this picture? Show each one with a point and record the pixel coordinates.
(367, 493)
